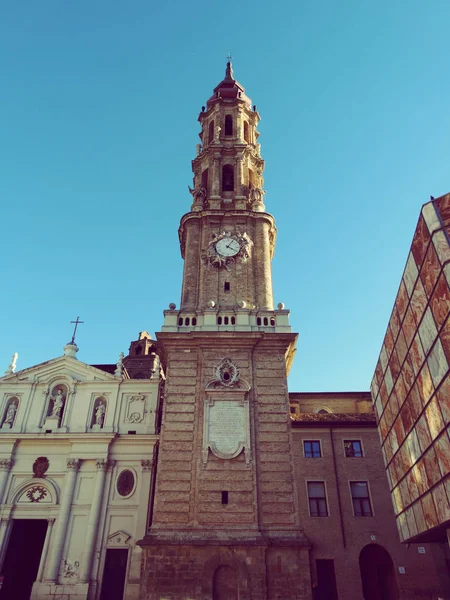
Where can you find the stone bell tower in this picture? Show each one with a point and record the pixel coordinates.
(225, 521)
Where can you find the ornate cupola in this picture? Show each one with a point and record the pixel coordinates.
(227, 238)
(228, 167)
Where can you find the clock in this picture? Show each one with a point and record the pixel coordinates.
(228, 246)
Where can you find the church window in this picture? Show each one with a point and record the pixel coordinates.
(219, 320)
(125, 483)
(226, 286)
(227, 178)
(317, 499)
(233, 320)
(225, 320)
(138, 350)
(224, 497)
(246, 132)
(251, 178)
(258, 320)
(187, 321)
(180, 322)
(272, 321)
(228, 125)
(194, 321)
(266, 321)
(211, 132)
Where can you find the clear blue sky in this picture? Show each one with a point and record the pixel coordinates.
(99, 124)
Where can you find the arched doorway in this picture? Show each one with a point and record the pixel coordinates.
(377, 574)
(225, 585)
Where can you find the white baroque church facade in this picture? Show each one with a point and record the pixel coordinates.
(77, 448)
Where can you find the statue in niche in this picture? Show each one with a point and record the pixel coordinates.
(99, 414)
(11, 412)
(58, 404)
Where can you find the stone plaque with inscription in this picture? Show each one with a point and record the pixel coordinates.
(226, 427)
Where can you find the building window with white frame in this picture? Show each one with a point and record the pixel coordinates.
(311, 449)
(362, 506)
(317, 499)
(353, 448)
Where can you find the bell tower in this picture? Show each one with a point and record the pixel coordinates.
(225, 506)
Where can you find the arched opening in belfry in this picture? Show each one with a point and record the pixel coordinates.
(211, 132)
(225, 584)
(205, 179)
(227, 178)
(246, 132)
(377, 574)
(228, 125)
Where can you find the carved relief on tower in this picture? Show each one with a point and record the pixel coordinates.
(226, 249)
(226, 426)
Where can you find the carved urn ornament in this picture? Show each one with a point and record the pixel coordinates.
(227, 248)
(227, 372)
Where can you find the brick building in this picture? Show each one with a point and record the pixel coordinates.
(346, 509)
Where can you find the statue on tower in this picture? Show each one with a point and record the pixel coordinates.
(199, 196)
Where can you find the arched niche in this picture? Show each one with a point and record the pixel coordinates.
(215, 572)
(10, 412)
(99, 410)
(57, 400)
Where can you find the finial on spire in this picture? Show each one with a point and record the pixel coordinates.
(119, 370)
(12, 366)
(229, 69)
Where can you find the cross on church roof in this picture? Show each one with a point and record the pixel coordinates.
(77, 322)
(229, 57)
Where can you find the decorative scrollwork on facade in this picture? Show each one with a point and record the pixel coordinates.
(227, 372)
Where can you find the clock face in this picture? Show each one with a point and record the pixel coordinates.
(228, 246)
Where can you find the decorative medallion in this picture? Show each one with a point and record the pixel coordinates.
(226, 249)
(135, 409)
(40, 466)
(125, 482)
(36, 493)
(227, 372)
